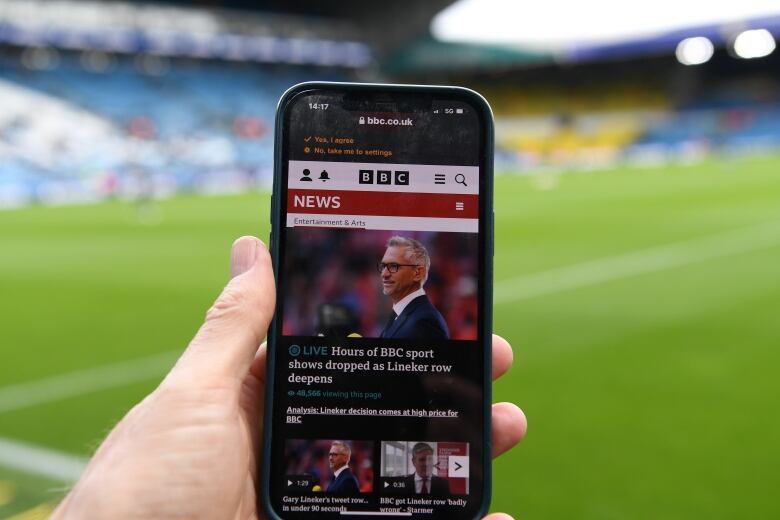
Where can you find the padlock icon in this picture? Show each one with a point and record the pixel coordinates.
(362, 120)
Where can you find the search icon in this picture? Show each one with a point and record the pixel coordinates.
(461, 179)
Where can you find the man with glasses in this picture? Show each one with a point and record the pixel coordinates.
(404, 269)
(343, 481)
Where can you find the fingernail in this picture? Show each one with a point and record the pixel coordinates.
(242, 256)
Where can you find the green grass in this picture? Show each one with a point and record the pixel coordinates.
(22, 494)
(648, 396)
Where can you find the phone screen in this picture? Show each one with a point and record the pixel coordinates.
(378, 352)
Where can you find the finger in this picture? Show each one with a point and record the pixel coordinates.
(509, 427)
(498, 516)
(502, 356)
(235, 325)
(257, 368)
(253, 391)
(252, 402)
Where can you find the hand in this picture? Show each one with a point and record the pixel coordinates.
(188, 450)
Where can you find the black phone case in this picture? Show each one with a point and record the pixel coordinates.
(486, 216)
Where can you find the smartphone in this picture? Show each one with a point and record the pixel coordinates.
(379, 355)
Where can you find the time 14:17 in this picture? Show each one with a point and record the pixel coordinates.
(318, 106)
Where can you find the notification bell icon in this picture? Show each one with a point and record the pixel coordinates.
(324, 176)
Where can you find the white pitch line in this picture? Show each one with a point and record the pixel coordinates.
(575, 276)
(677, 254)
(67, 467)
(72, 384)
(38, 460)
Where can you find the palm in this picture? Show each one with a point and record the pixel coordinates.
(251, 407)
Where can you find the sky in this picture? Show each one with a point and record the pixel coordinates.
(556, 25)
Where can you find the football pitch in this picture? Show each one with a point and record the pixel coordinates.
(643, 305)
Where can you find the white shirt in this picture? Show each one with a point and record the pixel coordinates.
(399, 307)
(336, 473)
(418, 482)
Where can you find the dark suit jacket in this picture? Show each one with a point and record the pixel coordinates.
(439, 486)
(419, 320)
(345, 484)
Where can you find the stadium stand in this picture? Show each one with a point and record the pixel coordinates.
(181, 122)
(84, 120)
(602, 121)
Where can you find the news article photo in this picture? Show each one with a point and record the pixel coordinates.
(425, 468)
(419, 285)
(332, 467)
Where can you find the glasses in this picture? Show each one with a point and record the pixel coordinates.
(392, 267)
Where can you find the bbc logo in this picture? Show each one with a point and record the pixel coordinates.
(398, 177)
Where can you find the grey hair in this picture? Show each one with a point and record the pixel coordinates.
(415, 252)
(345, 446)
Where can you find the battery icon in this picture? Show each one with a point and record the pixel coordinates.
(458, 110)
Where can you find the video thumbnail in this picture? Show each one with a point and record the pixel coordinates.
(334, 467)
(350, 283)
(424, 468)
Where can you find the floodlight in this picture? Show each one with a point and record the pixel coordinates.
(755, 43)
(694, 51)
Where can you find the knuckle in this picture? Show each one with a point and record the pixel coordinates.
(230, 303)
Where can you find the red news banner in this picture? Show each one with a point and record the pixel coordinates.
(437, 205)
(383, 196)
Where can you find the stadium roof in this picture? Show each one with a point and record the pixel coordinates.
(167, 30)
(351, 33)
(430, 55)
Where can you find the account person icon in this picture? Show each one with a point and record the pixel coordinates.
(324, 176)
(306, 174)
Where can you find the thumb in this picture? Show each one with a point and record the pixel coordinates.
(238, 321)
